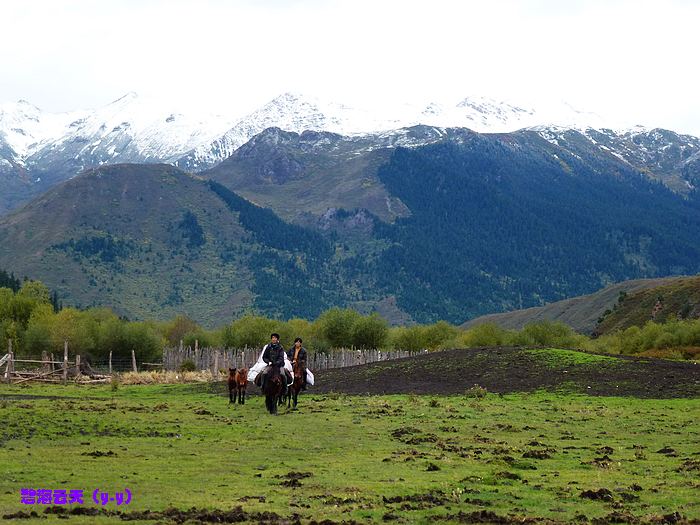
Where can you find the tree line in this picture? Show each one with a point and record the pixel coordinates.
(29, 317)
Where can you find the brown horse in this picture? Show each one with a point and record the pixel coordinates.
(274, 386)
(237, 383)
(295, 387)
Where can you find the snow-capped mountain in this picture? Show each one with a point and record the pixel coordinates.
(665, 155)
(133, 129)
(39, 149)
(24, 128)
(129, 129)
(297, 113)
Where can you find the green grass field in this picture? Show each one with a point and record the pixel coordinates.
(410, 459)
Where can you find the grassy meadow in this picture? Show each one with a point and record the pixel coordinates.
(556, 457)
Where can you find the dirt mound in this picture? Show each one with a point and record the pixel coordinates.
(505, 370)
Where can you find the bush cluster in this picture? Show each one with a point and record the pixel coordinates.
(29, 319)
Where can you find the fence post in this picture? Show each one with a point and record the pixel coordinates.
(110, 362)
(133, 360)
(77, 365)
(65, 362)
(44, 364)
(51, 364)
(8, 367)
(9, 361)
(215, 375)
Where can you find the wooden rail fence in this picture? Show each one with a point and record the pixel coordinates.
(51, 370)
(213, 359)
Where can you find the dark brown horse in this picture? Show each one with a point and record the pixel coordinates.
(237, 383)
(295, 387)
(274, 386)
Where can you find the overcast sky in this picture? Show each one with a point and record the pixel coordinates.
(632, 61)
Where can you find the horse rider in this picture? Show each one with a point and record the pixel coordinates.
(273, 355)
(297, 354)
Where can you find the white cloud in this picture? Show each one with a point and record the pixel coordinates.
(629, 60)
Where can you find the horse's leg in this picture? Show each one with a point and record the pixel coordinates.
(230, 395)
(296, 395)
(243, 395)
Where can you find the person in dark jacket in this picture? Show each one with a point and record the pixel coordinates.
(298, 354)
(273, 355)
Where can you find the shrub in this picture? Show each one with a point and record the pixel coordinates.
(336, 326)
(487, 334)
(187, 366)
(251, 331)
(370, 332)
(476, 392)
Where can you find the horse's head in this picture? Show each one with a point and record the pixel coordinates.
(242, 375)
(298, 372)
(231, 373)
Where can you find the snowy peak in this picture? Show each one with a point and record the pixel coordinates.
(25, 128)
(137, 129)
(129, 129)
(664, 155)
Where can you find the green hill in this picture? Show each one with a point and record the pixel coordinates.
(152, 241)
(142, 239)
(676, 299)
(580, 313)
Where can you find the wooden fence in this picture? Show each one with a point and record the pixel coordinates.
(222, 358)
(46, 369)
(49, 369)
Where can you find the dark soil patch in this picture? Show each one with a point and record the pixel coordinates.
(431, 499)
(99, 454)
(508, 475)
(668, 451)
(21, 515)
(260, 499)
(508, 369)
(600, 494)
(690, 465)
(601, 462)
(295, 475)
(537, 454)
(292, 479)
(487, 516)
(174, 515)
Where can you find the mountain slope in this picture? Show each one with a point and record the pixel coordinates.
(672, 299)
(305, 175)
(663, 155)
(142, 239)
(581, 313)
(499, 221)
(152, 241)
(466, 225)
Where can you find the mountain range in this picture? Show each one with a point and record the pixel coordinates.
(419, 224)
(154, 213)
(39, 149)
